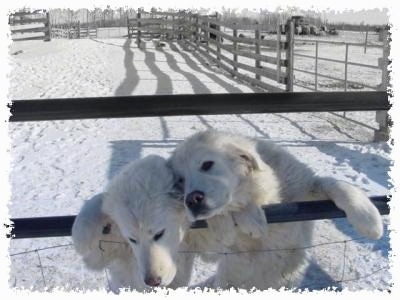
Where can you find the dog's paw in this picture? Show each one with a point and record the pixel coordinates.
(222, 228)
(359, 209)
(251, 221)
(366, 219)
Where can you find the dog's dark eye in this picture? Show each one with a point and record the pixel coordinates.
(207, 165)
(107, 229)
(158, 235)
(133, 241)
(179, 184)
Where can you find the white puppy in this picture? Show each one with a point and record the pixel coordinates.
(228, 178)
(138, 230)
(98, 240)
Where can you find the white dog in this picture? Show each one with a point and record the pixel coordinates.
(228, 178)
(138, 229)
(99, 241)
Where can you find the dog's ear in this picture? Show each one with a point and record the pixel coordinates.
(250, 161)
(246, 157)
(93, 232)
(177, 190)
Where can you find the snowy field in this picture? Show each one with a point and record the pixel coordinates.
(57, 165)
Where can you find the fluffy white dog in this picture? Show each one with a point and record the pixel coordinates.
(138, 229)
(228, 178)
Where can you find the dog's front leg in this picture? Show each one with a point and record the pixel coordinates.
(360, 211)
(251, 220)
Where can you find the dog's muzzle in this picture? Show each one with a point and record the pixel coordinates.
(152, 281)
(196, 203)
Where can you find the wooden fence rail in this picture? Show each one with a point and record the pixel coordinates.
(33, 19)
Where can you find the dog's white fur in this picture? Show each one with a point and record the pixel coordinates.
(137, 229)
(98, 240)
(246, 174)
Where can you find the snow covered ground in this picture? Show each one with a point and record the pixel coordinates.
(56, 165)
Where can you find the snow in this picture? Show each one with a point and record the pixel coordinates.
(56, 165)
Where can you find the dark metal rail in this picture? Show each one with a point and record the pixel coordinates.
(196, 104)
(175, 105)
(56, 226)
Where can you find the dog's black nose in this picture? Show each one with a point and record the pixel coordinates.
(152, 281)
(194, 199)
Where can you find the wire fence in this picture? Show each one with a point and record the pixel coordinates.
(329, 265)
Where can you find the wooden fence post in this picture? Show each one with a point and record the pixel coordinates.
(138, 30)
(381, 116)
(173, 27)
(345, 67)
(257, 50)
(385, 60)
(278, 52)
(235, 48)
(197, 37)
(207, 33)
(181, 28)
(47, 37)
(289, 55)
(316, 67)
(79, 29)
(151, 29)
(366, 39)
(218, 39)
(128, 25)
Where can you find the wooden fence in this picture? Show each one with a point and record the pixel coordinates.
(73, 31)
(168, 25)
(234, 53)
(246, 54)
(222, 43)
(25, 26)
(174, 105)
(249, 54)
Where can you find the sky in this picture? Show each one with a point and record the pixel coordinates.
(367, 16)
(372, 12)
